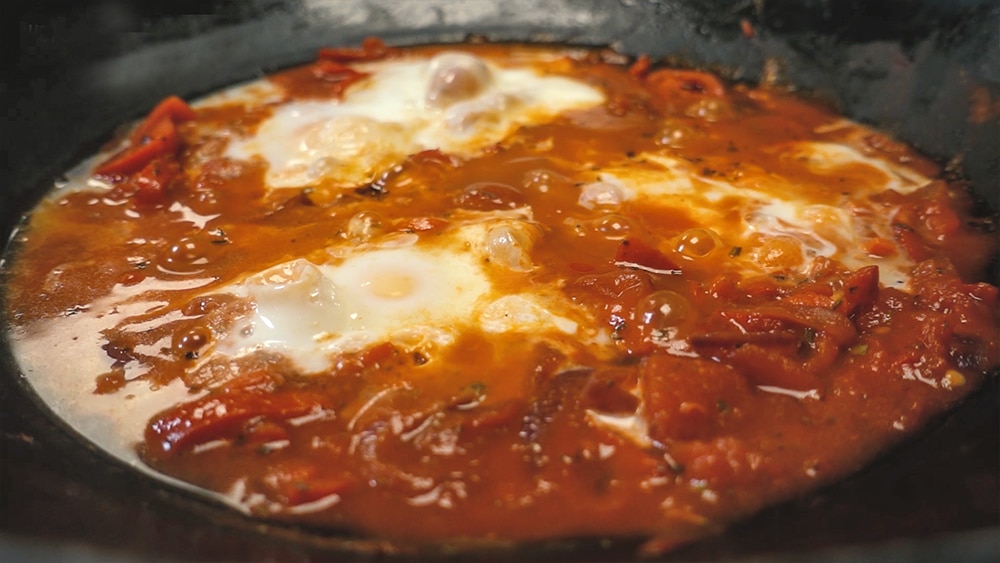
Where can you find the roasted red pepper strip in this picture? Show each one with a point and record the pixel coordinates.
(820, 319)
(220, 416)
(172, 108)
(760, 351)
(162, 140)
(156, 136)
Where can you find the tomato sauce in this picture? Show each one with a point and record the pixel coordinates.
(747, 386)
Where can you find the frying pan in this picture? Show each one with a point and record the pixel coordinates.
(926, 71)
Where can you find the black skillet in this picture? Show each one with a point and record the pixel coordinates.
(927, 71)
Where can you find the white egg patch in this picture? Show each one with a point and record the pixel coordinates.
(417, 297)
(454, 102)
(827, 158)
(820, 229)
(309, 311)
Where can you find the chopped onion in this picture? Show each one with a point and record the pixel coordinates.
(601, 194)
(509, 245)
(363, 226)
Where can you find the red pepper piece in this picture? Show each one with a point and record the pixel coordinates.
(265, 431)
(879, 247)
(636, 254)
(303, 482)
(152, 182)
(162, 139)
(156, 136)
(334, 71)
(335, 77)
(810, 299)
(484, 419)
(761, 351)
(434, 157)
(372, 48)
(775, 316)
(218, 417)
(172, 108)
(672, 82)
(421, 224)
(770, 367)
(860, 290)
(640, 68)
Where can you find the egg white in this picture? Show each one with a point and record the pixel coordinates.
(386, 116)
(417, 296)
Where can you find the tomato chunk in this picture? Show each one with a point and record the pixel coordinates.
(152, 182)
(689, 399)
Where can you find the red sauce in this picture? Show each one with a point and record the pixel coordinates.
(495, 441)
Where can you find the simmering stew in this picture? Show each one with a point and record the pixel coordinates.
(502, 292)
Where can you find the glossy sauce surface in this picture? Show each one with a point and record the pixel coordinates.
(688, 353)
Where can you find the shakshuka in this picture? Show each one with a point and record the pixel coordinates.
(502, 293)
